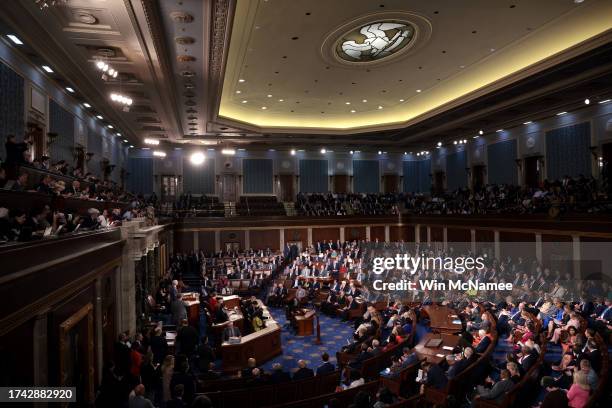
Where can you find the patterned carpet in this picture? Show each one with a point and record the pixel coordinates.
(334, 334)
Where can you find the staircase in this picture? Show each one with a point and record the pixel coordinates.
(230, 209)
(290, 208)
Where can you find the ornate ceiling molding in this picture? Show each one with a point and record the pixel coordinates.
(167, 86)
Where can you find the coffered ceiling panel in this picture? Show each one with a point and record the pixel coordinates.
(323, 66)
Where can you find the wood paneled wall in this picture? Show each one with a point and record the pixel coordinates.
(326, 234)
(263, 239)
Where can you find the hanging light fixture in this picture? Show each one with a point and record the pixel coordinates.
(107, 70)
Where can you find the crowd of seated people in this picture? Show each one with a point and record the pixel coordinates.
(578, 195)
(346, 204)
(529, 321)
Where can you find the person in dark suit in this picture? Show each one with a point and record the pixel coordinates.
(279, 375)
(436, 377)
(302, 372)
(183, 376)
(231, 331)
(178, 309)
(483, 343)
(326, 367)
(221, 315)
(499, 389)
(463, 362)
(177, 401)
(159, 345)
(187, 338)
(247, 372)
(528, 358)
(363, 355)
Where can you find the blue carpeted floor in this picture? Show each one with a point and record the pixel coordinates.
(334, 334)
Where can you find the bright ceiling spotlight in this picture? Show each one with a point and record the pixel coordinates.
(99, 117)
(228, 151)
(527, 123)
(69, 89)
(323, 151)
(159, 153)
(480, 132)
(150, 141)
(379, 152)
(85, 104)
(15, 39)
(351, 152)
(292, 152)
(439, 144)
(197, 158)
(561, 113)
(587, 101)
(47, 69)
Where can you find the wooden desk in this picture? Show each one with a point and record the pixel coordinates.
(261, 345)
(192, 304)
(442, 319)
(305, 323)
(436, 354)
(231, 301)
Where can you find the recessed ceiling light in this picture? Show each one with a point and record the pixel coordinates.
(604, 101)
(528, 122)
(281, 100)
(292, 152)
(380, 107)
(418, 91)
(269, 96)
(159, 153)
(245, 101)
(110, 127)
(492, 50)
(125, 141)
(118, 134)
(15, 39)
(561, 113)
(99, 117)
(131, 146)
(587, 101)
(578, 1)
(241, 80)
(351, 152)
(151, 141)
(379, 152)
(439, 144)
(238, 91)
(353, 111)
(499, 130)
(47, 68)
(264, 107)
(323, 151)
(347, 103)
(69, 89)
(364, 101)
(85, 104)
(480, 132)
(401, 100)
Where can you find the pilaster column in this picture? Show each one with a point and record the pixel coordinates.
(368, 235)
(417, 233)
(247, 239)
(40, 354)
(309, 236)
(538, 247)
(342, 232)
(387, 234)
(196, 242)
(497, 245)
(576, 256)
(473, 240)
(428, 235)
(445, 238)
(281, 238)
(217, 241)
(98, 330)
